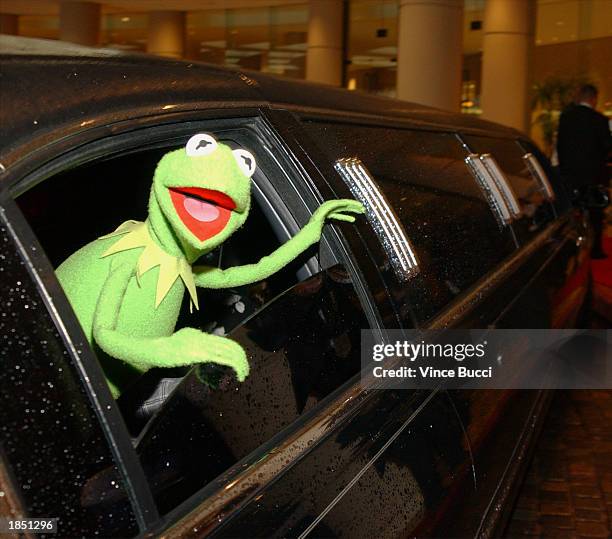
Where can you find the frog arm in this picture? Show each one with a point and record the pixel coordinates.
(340, 210)
(185, 347)
(209, 277)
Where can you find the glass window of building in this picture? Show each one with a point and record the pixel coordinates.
(269, 39)
(39, 26)
(372, 46)
(124, 31)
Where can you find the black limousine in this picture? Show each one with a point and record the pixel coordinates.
(482, 236)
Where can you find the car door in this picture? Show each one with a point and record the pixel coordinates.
(305, 343)
(421, 174)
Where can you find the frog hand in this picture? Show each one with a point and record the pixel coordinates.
(340, 210)
(188, 346)
(191, 346)
(221, 351)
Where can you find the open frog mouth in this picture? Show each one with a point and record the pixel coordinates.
(204, 212)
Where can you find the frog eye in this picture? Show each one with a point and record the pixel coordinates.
(245, 161)
(200, 144)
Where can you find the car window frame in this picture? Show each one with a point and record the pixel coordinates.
(340, 400)
(86, 364)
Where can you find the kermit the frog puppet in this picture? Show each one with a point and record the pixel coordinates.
(127, 287)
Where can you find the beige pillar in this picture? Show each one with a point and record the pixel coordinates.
(430, 52)
(9, 24)
(507, 42)
(80, 22)
(166, 36)
(325, 35)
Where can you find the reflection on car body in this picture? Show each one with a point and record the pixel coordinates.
(303, 447)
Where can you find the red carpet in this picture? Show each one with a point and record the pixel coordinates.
(602, 269)
(602, 278)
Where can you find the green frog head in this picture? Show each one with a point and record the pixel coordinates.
(201, 195)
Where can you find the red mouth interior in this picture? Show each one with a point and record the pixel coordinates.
(203, 211)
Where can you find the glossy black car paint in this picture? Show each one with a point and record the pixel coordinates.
(101, 90)
(379, 463)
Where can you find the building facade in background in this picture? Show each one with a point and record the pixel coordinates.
(511, 61)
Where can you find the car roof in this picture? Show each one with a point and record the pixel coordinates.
(49, 86)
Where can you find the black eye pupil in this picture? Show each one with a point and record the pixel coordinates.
(247, 161)
(202, 144)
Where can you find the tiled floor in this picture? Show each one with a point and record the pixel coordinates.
(568, 488)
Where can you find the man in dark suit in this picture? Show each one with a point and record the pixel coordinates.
(583, 145)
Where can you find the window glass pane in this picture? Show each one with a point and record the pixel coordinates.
(537, 211)
(445, 215)
(206, 36)
(572, 20)
(301, 347)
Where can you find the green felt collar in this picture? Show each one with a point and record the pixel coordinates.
(135, 234)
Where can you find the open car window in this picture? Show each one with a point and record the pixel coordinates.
(300, 327)
(74, 208)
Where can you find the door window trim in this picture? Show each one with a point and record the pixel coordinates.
(490, 187)
(539, 175)
(503, 184)
(381, 215)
